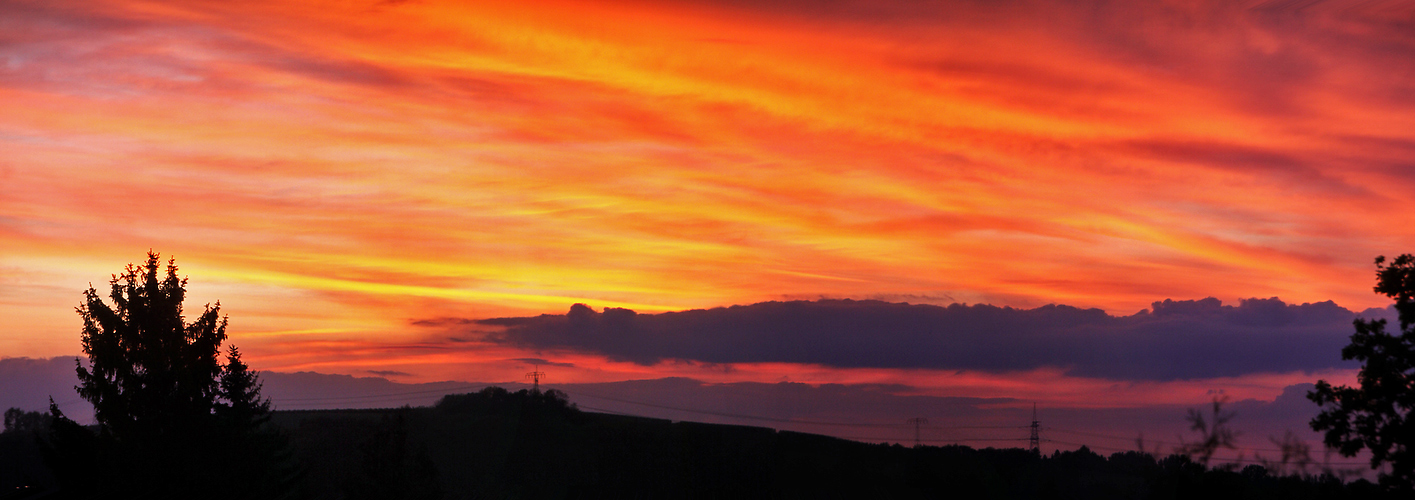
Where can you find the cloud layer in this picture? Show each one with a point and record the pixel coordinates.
(1174, 340)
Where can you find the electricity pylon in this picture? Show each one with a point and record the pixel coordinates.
(918, 421)
(1036, 441)
(535, 377)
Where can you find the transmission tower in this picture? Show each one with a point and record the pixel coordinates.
(918, 421)
(1036, 441)
(535, 378)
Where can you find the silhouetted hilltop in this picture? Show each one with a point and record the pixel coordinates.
(501, 444)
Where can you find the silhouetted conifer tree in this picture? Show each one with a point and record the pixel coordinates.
(173, 421)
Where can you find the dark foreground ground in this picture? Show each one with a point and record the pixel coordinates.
(497, 444)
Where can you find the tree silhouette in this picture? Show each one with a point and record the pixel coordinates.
(1214, 433)
(1377, 415)
(241, 404)
(20, 421)
(173, 421)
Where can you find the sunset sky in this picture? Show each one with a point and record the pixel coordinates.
(368, 186)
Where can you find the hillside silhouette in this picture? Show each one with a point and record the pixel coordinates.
(501, 444)
(497, 443)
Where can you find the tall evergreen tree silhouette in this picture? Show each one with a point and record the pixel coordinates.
(173, 420)
(255, 452)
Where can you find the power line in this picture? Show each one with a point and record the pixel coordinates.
(371, 396)
(69, 402)
(1131, 439)
(733, 415)
(1240, 460)
(611, 412)
(917, 421)
(781, 420)
(931, 440)
(854, 438)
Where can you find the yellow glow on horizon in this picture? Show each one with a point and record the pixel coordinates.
(336, 285)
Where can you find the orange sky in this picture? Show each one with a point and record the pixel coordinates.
(333, 171)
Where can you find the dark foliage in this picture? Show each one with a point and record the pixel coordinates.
(497, 399)
(20, 467)
(173, 420)
(390, 469)
(20, 421)
(1376, 416)
(1214, 433)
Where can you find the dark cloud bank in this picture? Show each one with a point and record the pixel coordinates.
(1187, 339)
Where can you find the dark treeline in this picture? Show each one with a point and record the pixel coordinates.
(526, 444)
